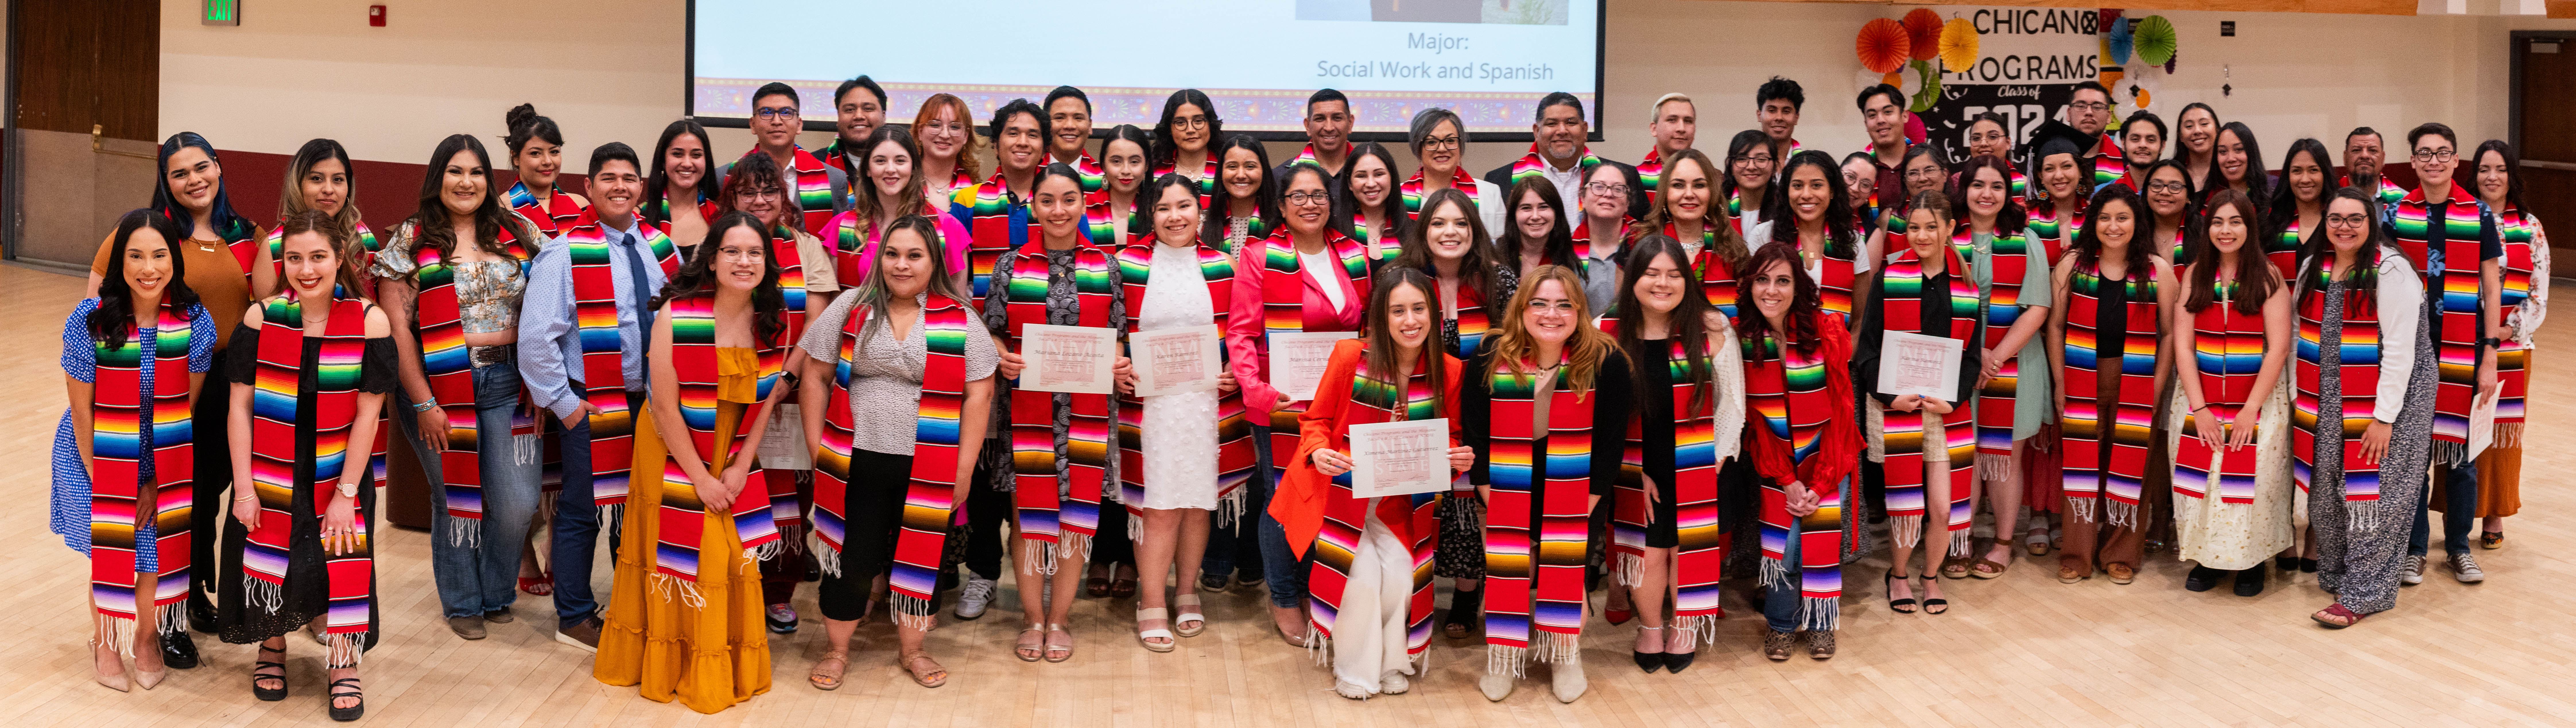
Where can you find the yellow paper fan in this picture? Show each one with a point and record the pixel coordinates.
(1958, 44)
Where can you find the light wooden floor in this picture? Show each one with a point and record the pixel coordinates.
(2021, 650)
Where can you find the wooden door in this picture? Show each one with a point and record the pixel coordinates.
(2546, 135)
(84, 125)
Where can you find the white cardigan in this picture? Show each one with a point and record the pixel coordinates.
(2401, 310)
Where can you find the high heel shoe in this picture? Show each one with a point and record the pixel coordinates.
(1899, 606)
(1649, 661)
(147, 679)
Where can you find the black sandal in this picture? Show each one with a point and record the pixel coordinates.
(1892, 602)
(1465, 615)
(1930, 602)
(351, 713)
(267, 694)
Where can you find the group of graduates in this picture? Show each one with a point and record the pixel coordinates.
(1654, 375)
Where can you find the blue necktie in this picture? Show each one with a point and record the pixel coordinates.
(639, 292)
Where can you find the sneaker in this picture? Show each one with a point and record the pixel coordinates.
(782, 619)
(974, 597)
(2414, 573)
(2465, 568)
(584, 634)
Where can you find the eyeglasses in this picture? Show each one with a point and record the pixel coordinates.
(1760, 159)
(2174, 187)
(1605, 188)
(2429, 155)
(2347, 221)
(948, 128)
(1541, 305)
(1442, 143)
(776, 114)
(2089, 106)
(1307, 198)
(1190, 122)
(764, 193)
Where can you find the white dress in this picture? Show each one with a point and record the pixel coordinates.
(1179, 430)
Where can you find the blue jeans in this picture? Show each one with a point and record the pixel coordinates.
(2459, 512)
(1286, 573)
(1780, 602)
(577, 522)
(482, 575)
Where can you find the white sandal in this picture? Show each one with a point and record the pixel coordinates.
(1189, 609)
(1146, 636)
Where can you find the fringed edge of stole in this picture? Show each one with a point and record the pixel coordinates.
(911, 611)
(465, 532)
(825, 557)
(1907, 531)
(1551, 647)
(2453, 454)
(118, 632)
(1815, 613)
(263, 594)
(347, 649)
(1994, 468)
(2507, 435)
(1629, 568)
(666, 586)
(1696, 630)
(1067, 545)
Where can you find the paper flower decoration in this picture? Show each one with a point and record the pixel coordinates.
(2109, 15)
(1908, 81)
(1927, 88)
(2154, 39)
(1923, 30)
(2117, 43)
(1958, 44)
(1883, 45)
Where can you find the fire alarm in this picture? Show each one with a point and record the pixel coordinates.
(376, 16)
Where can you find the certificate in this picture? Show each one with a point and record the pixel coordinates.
(1297, 360)
(1400, 458)
(1918, 364)
(1074, 359)
(1172, 361)
(782, 446)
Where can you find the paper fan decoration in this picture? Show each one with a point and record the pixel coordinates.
(1908, 81)
(2117, 44)
(1927, 89)
(1883, 45)
(1923, 31)
(2154, 39)
(1958, 44)
(1915, 132)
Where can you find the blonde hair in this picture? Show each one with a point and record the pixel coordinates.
(1585, 350)
(1657, 110)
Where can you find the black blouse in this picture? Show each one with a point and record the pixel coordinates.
(1873, 335)
(1611, 406)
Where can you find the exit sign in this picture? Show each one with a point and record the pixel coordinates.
(222, 12)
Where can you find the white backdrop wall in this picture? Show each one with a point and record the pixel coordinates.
(613, 70)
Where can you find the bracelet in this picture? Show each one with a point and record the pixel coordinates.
(425, 405)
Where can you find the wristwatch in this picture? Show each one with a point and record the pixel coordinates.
(348, 489)
(2491, 342)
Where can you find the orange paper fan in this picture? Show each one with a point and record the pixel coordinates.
(1923, 33)
(1883, 45)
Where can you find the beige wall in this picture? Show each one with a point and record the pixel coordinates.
(612, 71)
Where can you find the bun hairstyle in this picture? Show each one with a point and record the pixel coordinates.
(524, 124)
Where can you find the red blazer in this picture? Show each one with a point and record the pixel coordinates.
(1303, 493)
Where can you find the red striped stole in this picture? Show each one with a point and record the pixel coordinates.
(239, 240)
(696, 361)
(445, 361)
(1532, 165)
(602, 376)
(1904, 291)
(2055, 235)
(1234, 432)
(1065, 521)
(121, 413)
(1650, 172)
(930, 495)
(1716, 279)
(2520, 232)
(2458, 308)
(1547, 473)
(1208, 177)
(2283, 249)
(2122, 424)
(2227, 355)
(2388, 193)
(2010, 258)
(550, 217)
(276, 470)
(1307, 154)
(1802, 426)
(2357, 358)
(1414, 191)
(1283, 306)
(2110, 161)
(1583, 238)
(996, 221)
(1694, 445)
(809, 184)
(1473, 320)
(1346, 516)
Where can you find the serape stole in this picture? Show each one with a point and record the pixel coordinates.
(1907, 291)
(2283, 250)
(2117, 477)
(2227, 355)
(1208, 177)
(1650, 172)
(2388, 193)
(1067, 521)
(1234, 433)
(2356, 358)
(1414, 190)
(2010, 257)
(602, 377)
(2110, 161)
(1283, 307)
(1796, 399)
(1716, 279)
(996, 221)
(930, 495)
(2458, 312)
(1550, 474)
(275, 467)
(446, 362)
(1532, 165)
(121, 416)
(2518, 229)
(810, 185)
(550, 217)
(1373, 401)
(1694, 493)
(683, 518)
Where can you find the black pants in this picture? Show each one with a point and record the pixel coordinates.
(986, 511)
(873, 517)
(1111, 546)
(208, 497)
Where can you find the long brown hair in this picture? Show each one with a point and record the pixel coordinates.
(1805, 302)
(1476, 271)
(431, 225)
(1585, 350)
(768, 306)
(1729, 245)
(966, 153)
(2255, 277)
(1687, 321)
(908, 201)
(291, 200)
(1378, 344)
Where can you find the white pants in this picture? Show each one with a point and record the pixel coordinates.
(1368, 633)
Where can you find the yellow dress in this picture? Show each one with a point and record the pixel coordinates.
(708, 657)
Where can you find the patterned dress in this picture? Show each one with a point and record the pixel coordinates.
(69, 516)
